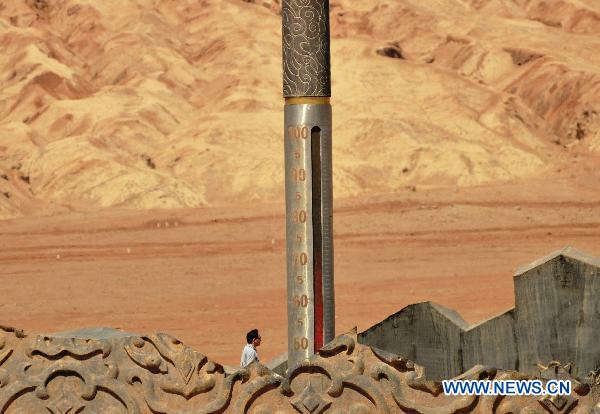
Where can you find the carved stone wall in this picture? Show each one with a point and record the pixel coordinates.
(107, 371)
(556, 318)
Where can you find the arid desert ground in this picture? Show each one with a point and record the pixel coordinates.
(141, 160)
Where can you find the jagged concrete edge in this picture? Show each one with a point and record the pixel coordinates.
(464, 329)
(449, 314)
(567, 251)
(459, 321)
(483, 322)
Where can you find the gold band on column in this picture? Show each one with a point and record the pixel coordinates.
(308, 100)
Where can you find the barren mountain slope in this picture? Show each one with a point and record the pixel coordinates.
(162, 103)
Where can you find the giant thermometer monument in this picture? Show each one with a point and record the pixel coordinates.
(308, 177)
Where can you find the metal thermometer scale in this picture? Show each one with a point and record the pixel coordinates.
(308, 177)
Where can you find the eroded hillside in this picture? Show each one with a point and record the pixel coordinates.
(165, 104)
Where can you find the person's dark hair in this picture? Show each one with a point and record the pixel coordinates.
(252, 335)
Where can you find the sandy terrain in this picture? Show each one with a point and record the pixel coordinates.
(141, 159)
(208, 275)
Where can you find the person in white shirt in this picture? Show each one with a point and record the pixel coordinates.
(249, 354)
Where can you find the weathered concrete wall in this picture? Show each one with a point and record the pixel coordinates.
(557, 312)
(426, 332)
(491, 343)
(556, 318)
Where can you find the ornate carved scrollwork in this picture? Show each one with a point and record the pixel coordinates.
(306, 67)
(120, 373)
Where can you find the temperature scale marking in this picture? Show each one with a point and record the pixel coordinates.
(308, 229)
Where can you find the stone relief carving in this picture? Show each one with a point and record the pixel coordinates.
(120, 373)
